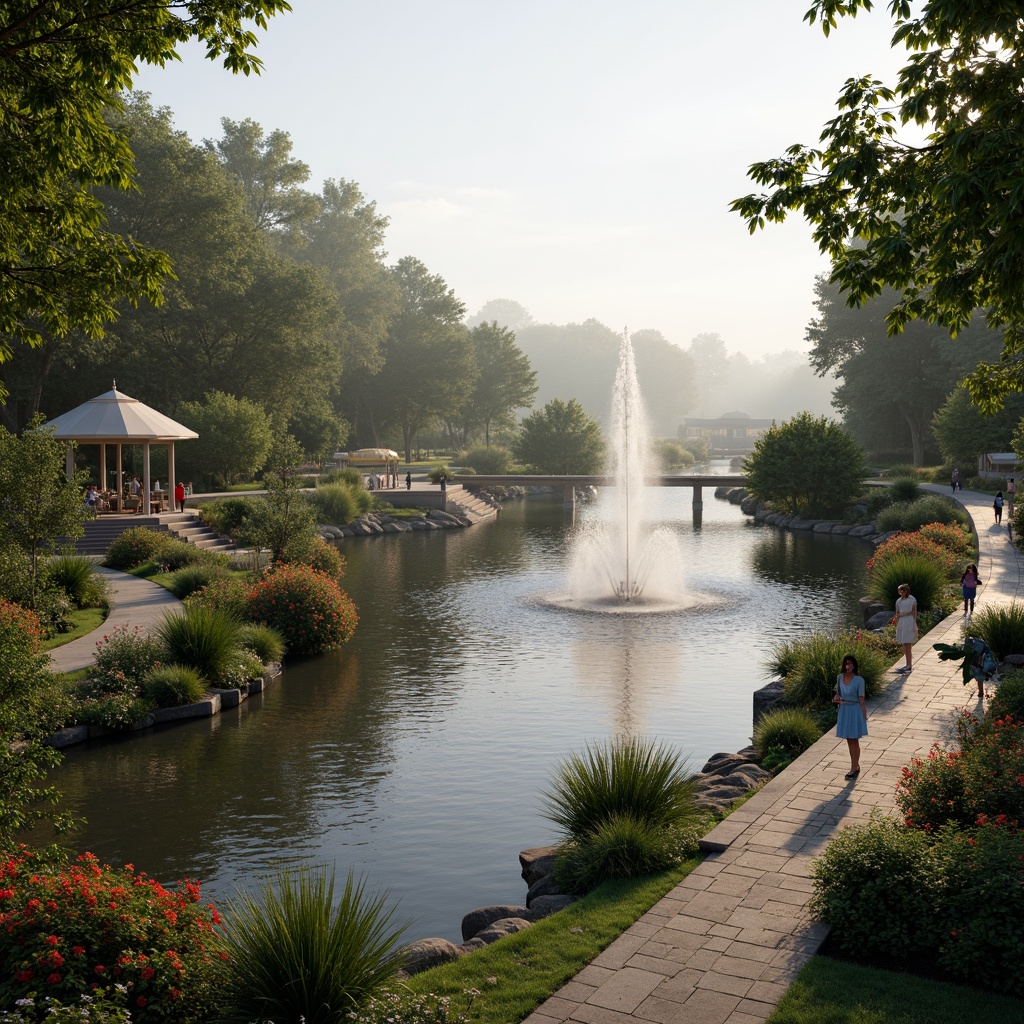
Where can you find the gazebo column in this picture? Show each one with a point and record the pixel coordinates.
(145, 478)
(103, 465)
(120, 478)
(172, 479)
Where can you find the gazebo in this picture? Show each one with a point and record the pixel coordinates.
(115, 418)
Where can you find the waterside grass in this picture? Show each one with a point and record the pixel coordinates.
(519, 972)
(83, 621)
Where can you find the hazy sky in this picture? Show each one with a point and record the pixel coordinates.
(576, 157)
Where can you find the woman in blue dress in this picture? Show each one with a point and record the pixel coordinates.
(852, 721)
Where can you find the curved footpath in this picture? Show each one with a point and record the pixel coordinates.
(133, 602)
(724, 945)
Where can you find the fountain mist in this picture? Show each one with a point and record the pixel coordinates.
(623, 561)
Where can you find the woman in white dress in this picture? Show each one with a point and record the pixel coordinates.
(906, 624)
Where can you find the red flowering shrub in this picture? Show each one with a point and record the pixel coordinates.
(981, 783)
(951, 536)
(325, 557)
(915, 544)
(19, 630)
(90, 927)
(305, 606)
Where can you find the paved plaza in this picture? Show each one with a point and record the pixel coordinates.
(724, 945)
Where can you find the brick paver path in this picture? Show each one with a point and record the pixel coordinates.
(724, 945)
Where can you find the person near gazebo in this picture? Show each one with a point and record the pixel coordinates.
(179, 496)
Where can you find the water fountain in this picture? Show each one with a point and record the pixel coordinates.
(622, 561)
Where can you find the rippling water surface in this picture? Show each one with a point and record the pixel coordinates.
(418, 755)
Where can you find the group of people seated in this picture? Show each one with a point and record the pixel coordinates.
(110, 501)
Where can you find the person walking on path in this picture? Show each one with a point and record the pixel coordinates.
(906, 624)
(969, 584)
(955, 480)
(408, 481)
(997, 506)
(179, 496)
(852, 719)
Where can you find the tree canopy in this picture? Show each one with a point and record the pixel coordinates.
(61, 65)
(808, 466)
(561, 439)
(941, 220)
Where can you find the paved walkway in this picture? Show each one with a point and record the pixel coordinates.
(724, 945)
(133, 602)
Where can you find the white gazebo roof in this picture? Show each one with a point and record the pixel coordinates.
(117, 418)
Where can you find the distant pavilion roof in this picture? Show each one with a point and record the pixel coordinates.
(117, 418)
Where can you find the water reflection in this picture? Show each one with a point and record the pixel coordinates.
(416, 756)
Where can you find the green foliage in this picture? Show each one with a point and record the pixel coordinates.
(28, 716)
(169, 686)
(953, 536)
(265, 643)
(913, 515)
(1009, 697)
(917, 544)
(963, 432)
(76, 575)
(1002, 628)
(228, 516)
(807, 466)
(325, 558)
(305, 606)
(296, 953)
(783, 657)
(203, 638)
(623, 776)
(128, 654)
(902, 471)
(816, 661)
(90, 923)
(904, 488)
(919, 218)
(349, 475)
(672, 455)
(191, 578)
(409, 1008)
(135, 547)
(234, 437)
(438, 473)
(283, 521)
(561, 439)
(40, 504)
(621, 846)
(877, 885)
(926, 580)
(336, 504)
(493, 461)
(63, 69)
(228, 593)
(789, 730)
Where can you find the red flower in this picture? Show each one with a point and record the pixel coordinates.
(53, 979)
(141, 1001)
(147, 973)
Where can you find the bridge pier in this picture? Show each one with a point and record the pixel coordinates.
(569, 500)
(698, 504)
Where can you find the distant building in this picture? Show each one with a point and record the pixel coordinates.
(997, 464)
(734, 433)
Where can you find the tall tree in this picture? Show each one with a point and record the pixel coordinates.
(561, 439)
(963, 432)
(941, 223)
(505, 382)
(60, 64)
(890, 388)
(428, 369)
(234, 438)
(711, 366)
(505, 312)
(270, 177)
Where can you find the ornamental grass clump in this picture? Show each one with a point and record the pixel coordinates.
(336, 504)
(305, 606)
(1009, 697)
(204, 638)
(264, 642)
(76, 575)
(188, 580)
(154, 951)
(904, 488)
(928, 583)
(788, 731)
(818, 660)
(297, 953)
(1002, 628)
(170, 686)
(623, 806)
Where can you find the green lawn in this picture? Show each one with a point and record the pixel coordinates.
(833, 992)
(84, 621)
(517, 973)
